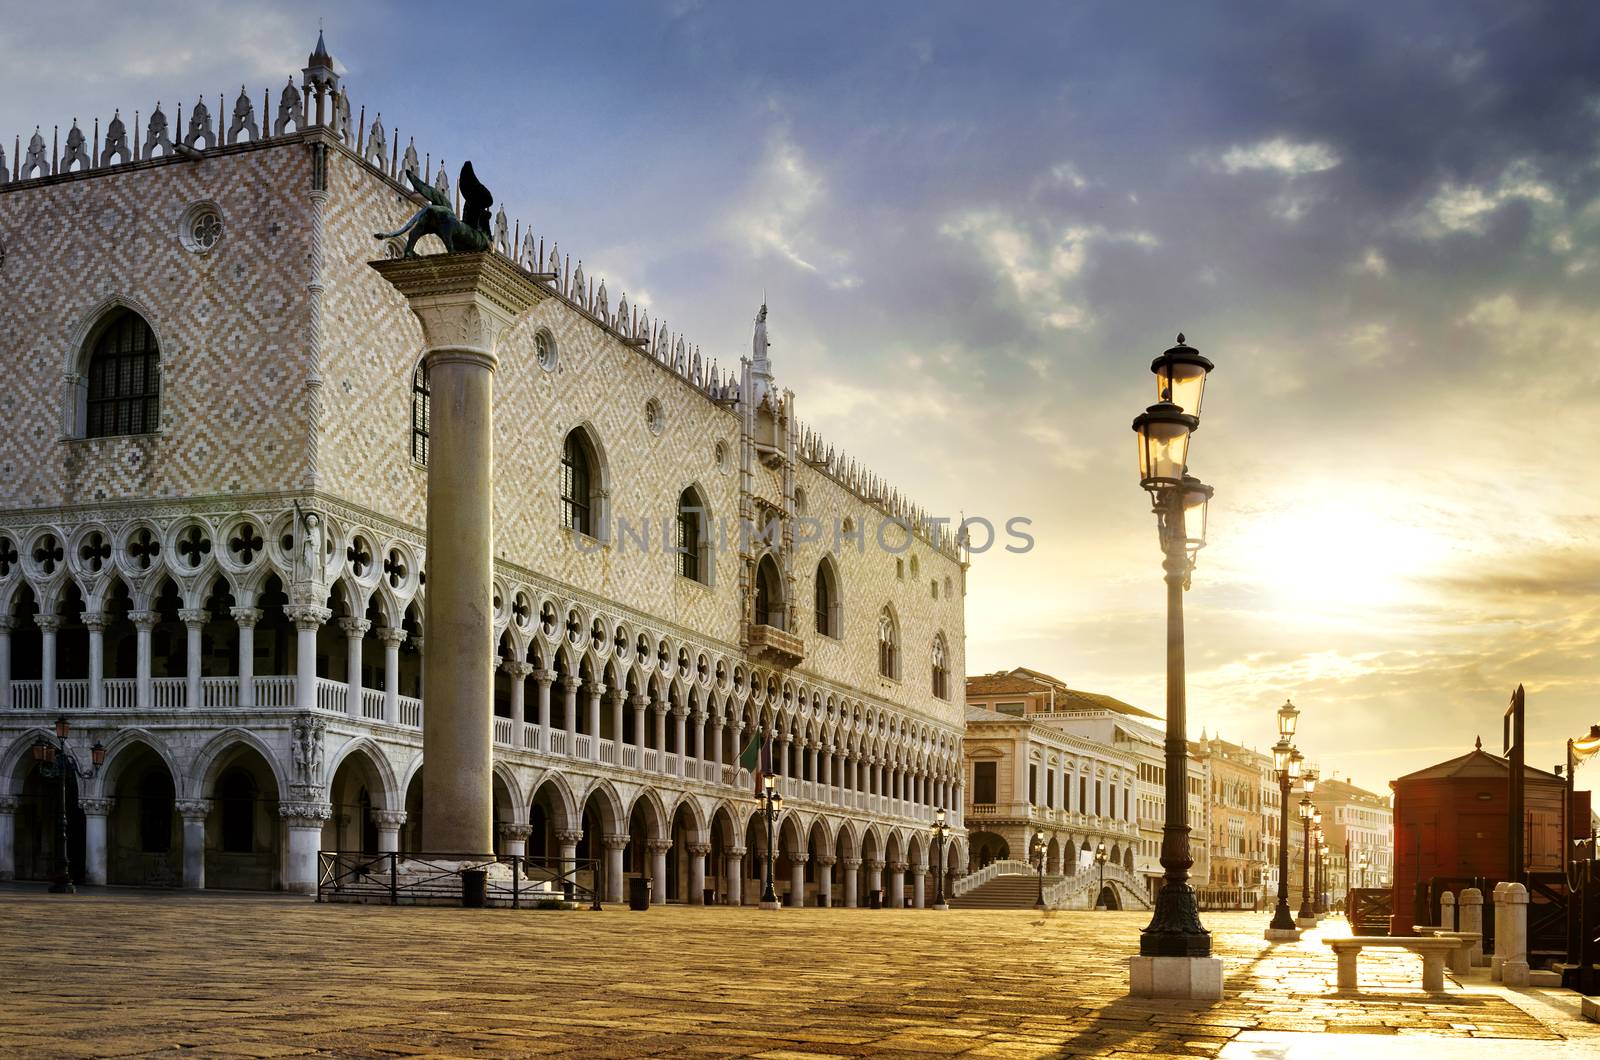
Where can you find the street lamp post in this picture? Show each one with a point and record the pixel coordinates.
(56, 761)
(772, 806)
(1316, 876)
(1362, 870)
(1038, 854)
(1100, 858)
(1307, 917)
(1286, 761)
(1180, 502)
(940, 830)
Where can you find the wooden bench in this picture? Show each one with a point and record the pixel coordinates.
(1433, 951)
(1461, 956)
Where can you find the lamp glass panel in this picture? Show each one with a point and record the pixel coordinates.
(1195, 504)
(1163, 450)
(1182, 384)
(1288, 718)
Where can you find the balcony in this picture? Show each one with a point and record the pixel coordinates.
(776, 646)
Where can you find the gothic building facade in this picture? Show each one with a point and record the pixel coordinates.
(213, 555)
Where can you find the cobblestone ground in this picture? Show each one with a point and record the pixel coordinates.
(119, 973)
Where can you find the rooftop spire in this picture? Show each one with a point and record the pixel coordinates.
(319, 66)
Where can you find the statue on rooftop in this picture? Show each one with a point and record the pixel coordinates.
(460, 235)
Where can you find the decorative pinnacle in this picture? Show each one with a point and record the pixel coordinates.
(1477, 744)
(1180, 338)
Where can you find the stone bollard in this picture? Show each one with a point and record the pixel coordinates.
(1447, 911)
(1470, 912)
(1500, 939)
(1514, 970)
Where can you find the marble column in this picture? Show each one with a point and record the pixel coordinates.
(679, 727)
(596, 690)
(569, 703)
(661, 736)
(194, 813)
(615, 845)
(464, 303)
(355, 631)
(392, 639)
(6, 625)
(618, 698)
(733, 872)
(194, 623)
(95, 623)
(307, 619)
(542, 679)
(849, 881)
(697, 872)
(8, 837)
(824, 879)
(568, 840)
(699, 753)
(797, 878)
(389, 823)
(716, 746)
(518, 673)
(639, 703)
(94, 839)
(304, 821)
(247, 617)
(919, 887)
(513, 838)
(48, 626)
(143, 623)
(874, 874)
(895, 897)
(658, 870)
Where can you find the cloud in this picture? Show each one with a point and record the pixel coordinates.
(1467, 208)
(783, 212)
(1279, 155)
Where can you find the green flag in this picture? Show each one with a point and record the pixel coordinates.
(750, 757)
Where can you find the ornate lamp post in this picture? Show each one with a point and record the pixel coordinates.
(771, 806)
(56, 760)
(1038, 854)
(940, 830)
(1320, 847)
(1286, 762)
(1100, 858)
(1306, 917)
(1179, 501)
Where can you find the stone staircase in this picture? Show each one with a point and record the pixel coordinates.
(1004, 892)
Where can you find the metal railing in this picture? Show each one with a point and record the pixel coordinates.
(437, 879)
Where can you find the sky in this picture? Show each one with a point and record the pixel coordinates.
(975, 226)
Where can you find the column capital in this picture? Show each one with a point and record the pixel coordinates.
(391, 636)
(660, 846)
(544, 677)
(94, 621)
(517, 669)
(874, 864)
(194, 616)
(7, 623)
(898, 866)
(95, 807)
(464, 302)
(305, 813)
(570, 683)
(193, 809)
(355, 628)
(596, 689)
(47, 623)
(145, 621)
(825, 860)
(510, 830)
(388, 818)
(616, 841)
(736, 852)
(9, 803)
(699, 850)
(851, 863)
(568, 835)
(639, 701)
(247, 617)
(306, 616)
(798, 859)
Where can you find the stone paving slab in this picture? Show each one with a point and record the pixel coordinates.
(121, 974)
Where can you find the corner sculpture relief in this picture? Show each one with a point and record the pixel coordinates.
(459, 235)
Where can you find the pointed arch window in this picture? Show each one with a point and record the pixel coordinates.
(124, 379)
(421, 413)
(941, 668)
(827, 600)
(888, 645)
(694, 542)
(577, 483)
(769, 605)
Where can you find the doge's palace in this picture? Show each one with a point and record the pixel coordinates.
(213, 557)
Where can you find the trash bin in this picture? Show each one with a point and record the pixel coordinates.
(822, 901)
(875, 899)
(789, 900)
(639, 893)
(710, 896)
(474, 888)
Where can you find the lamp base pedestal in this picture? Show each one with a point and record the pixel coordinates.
(1191, 978)
(941, 907)
(771, 905)
(1305, 921)
(1282, 935)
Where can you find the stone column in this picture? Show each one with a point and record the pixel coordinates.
(658, 870)
(8, 836)
(716, 745)
(797, 878)
(392, 639)
(825, 879)
(1514, 969)
(355, 631)
(699, 753)
(542, 679)
(95, 623)
(6, 624)
(568, 840)
(94, 839)
(697, 873)
(48, 625)
(596, 690)
(1501, 932)
(875, 874)
(464, 302)
(194, 623)
(896, 896)
(680, 734)
(639, 703)
(850, 890)
(307, 619)
(733, 872)
(661, 737)
(824, 776)
(615, 845)
(569, 690)
(304, 821)
(513, 838)
(247, 617)
(194, 813)
(143, 623)
(1471, 912)
(919, 886)
(389, 823)
(518, 672)
(618, 697)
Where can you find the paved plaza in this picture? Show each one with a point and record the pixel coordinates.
(125, 973)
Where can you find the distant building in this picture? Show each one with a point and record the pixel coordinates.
(1359, 826)
(1236, 875)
